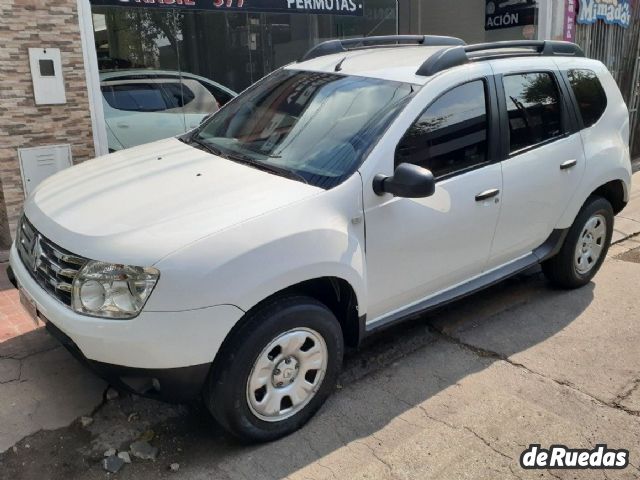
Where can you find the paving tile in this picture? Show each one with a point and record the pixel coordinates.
(14, 320)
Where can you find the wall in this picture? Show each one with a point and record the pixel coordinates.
(37, 23)
(617, 47)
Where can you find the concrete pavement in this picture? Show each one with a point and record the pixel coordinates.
(41, 385)
(458, 394)
(628, 221)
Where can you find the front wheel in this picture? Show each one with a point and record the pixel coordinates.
(276, 370)
(585, 247)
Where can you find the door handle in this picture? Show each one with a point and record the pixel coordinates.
(122, 125)
(487, 194)
(568, 164)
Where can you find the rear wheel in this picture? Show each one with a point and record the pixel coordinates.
(585, 247)
(276, 371)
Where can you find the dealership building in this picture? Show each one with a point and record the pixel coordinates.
(81, 78)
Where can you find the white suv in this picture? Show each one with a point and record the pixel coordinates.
(372, 181)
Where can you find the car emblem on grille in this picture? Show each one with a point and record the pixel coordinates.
(36, 254)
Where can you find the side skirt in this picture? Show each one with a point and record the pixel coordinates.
(548, 249)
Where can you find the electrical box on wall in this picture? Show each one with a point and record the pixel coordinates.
(38, 163)
(46, 74)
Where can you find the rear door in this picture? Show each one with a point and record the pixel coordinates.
(543, 157)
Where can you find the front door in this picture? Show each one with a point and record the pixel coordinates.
(418, 247)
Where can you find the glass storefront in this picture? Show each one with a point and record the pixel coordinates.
(478, 21)
(163, 70)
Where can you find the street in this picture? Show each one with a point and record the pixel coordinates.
(460, 393)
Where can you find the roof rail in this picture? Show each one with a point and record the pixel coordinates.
(338, 46)
(459, 55)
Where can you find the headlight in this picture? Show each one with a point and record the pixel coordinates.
(112, 291)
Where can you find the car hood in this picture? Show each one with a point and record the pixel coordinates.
(138, 205)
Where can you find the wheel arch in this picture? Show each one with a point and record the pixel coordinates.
(614, 189)
(614, 192)
(339, 296)
(334, 292)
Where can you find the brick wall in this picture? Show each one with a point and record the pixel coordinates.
(40, 24)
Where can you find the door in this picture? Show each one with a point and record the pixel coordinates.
(418, 247)
(543, 165)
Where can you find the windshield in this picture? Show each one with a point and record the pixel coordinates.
(316, 127)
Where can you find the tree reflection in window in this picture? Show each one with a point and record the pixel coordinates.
(534, 109)
(591, 98)
(451, 135)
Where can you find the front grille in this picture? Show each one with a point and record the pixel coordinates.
(51, 266)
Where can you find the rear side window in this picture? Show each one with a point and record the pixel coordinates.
(592, 101)
(535, 113)
(135, 97)
(451, 134)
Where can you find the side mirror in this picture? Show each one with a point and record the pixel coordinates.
(408, 181)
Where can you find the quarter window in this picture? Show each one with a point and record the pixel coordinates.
(451, 135)
(177, 94)
(220, 95)
(592, 101)
(534, 108)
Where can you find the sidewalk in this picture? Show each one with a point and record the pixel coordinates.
(628, 221)
(13, 319)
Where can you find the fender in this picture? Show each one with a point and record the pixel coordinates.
(245, 264)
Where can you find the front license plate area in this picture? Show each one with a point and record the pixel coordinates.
(29, 305)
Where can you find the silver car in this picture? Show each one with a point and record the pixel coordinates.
(141, 106)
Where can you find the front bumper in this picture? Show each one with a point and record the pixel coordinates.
(169, 384)
(154, 344)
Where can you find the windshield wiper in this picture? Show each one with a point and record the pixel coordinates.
(203, 146)
(283, 172)
(238, 157)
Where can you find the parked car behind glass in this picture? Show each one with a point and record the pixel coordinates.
(141, 106)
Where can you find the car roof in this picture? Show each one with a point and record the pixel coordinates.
(116, 74)
(400, 63)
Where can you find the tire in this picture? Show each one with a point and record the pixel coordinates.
(565, 270)
(275, 348)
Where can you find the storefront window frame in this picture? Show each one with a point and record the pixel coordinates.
(92, 73)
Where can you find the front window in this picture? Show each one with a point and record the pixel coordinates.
(315, 126)
(450, 137)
